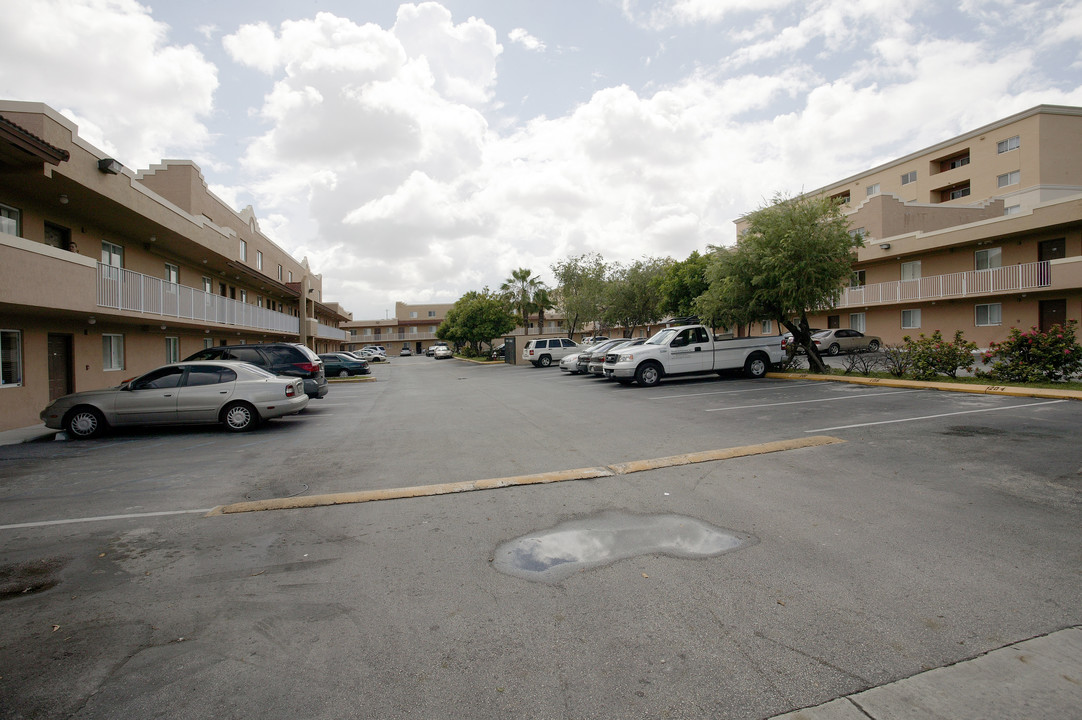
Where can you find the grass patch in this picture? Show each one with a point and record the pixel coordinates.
(839, 372)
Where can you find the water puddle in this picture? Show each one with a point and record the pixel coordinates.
(553, 555)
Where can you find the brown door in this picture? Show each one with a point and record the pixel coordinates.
(59, 366)
(1052, 249)
(1053, 312)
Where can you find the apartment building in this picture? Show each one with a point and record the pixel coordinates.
(106, 273)
(413, 327)
(980, 233)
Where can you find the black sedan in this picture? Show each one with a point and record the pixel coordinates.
(342, 365)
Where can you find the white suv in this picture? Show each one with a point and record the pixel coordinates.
(542, 352)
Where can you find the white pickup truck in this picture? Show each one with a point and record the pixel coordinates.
(689, 349)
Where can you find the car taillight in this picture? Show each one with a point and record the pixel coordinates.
(291, 390)
(307, 366)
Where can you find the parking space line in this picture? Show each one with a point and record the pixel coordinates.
(362, 496)
(731, 392)
(932, 417)
(819, 400)
(128, 516)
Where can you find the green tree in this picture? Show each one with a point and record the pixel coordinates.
(520, 289)
(681, 283)
(542, 302)
(580, 287)
(476, 318)
(795, 255)
(633, 294)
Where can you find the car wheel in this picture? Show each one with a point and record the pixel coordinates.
(873, 346)
(648, 374)
(834, 349)
(343, 373)
(756, 365)
(239, 417)
(545, 361)
(84, 422)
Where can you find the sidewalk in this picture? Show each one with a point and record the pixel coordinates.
(1036, 679)
(33, 433)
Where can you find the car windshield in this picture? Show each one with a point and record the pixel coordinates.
(662, 338)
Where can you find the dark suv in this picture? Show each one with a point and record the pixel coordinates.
(279, 358)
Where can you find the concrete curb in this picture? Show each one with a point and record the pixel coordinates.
(361, 496)
(1046, 393)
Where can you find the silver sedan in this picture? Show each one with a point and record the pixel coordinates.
(236, 394)
(845, 340)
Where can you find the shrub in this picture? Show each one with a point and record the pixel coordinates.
(1035, 356)
(863, 363)
(791, 361)
(932, 356)
(896, 360)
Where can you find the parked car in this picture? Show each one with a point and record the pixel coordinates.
(342, 365)
(788, 338)
(290, 359)
(594, 340)
(376, 348)
(596, 365)
(431, 351)
(542, 352)
(406, 352)
(570, 362)
(236, 394)
(835, 341)
(601, 347)
(371, 355)
(498, 351)
(442, 352)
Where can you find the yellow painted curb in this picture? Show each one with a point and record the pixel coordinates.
(1045, 393)
(362, 496)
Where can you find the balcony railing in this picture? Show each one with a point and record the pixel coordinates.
(390, 337)
(122, 289)
(1014, 278)
(326, 331)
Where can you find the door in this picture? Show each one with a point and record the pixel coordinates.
(151, 398)
(1053, 312)
(1048, 250)
(691, 351)
(205, 391)
(60, 382)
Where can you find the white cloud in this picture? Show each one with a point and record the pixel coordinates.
(108, 65)
(526, 40)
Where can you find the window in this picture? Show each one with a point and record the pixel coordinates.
(953, 163)
(567, 343)
(279, 272)
(209, 375)
(172, 349)
(259, 301)
(1011, 178)
(857, 279)
(112, 255)
(990, 314)
(856, 321)
(244, 296)
(432, 313)
(958, 192)
(243, 251)
(367, 332)
(11, 358)
(1012, 209)
(766, 327)
(259, 259)
(167, 377)
(413, 313)
(172, 273)
(911, 270)
(290, 276)
(432, 329)
(208, 285)
(9, 220)
(413, 330)
(859, 233)
(872, 189)
(989, 259)
(208, 342)
(1007, 145)
(112, 352)
(910, 319)
(909, 177)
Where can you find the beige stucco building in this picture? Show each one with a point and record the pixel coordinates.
(980, 233)
(106, 273)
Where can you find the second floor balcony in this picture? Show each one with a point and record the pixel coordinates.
(975, 283)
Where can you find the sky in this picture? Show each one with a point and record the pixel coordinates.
(416, 151)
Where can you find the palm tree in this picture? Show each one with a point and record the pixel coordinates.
(520, 289)
(542, 302)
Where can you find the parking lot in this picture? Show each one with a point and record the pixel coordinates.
(932, 528)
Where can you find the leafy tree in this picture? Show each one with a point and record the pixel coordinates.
(542, 302)
(476, 318)
(580, 287)
(633, 292)
(520, 289)
(795, 256)
(681, 283)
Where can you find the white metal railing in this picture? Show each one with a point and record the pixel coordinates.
(391, 337)
(1013, 278)
(326, 331)
(122, 289)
